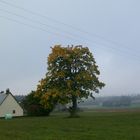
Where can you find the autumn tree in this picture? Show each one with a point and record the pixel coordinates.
(72, 75)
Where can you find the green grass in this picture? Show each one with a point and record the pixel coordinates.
(90, 126)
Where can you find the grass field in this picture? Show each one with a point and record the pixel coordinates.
(90, 126)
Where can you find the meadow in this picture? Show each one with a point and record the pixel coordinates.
(90, 126)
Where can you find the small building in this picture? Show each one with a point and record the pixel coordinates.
(9, 105)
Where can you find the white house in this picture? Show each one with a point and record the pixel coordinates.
(9, 105)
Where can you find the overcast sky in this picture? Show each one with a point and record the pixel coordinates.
(110, 28)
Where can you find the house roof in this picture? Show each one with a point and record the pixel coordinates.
(2, 98)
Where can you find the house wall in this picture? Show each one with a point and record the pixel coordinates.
(10, 106)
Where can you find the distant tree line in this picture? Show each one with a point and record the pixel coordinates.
(32, 106)
(118, 102)
(113, 101)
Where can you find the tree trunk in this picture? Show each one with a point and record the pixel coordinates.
(73, 109)
(74, 102)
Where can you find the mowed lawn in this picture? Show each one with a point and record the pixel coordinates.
(90, 126)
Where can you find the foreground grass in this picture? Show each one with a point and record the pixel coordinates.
(90, 126)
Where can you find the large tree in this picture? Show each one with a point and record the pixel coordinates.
(72, 75)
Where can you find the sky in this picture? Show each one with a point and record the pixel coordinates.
(110, 28)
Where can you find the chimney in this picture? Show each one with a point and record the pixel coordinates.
(7, 91)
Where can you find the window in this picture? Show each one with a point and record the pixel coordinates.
(14, 111)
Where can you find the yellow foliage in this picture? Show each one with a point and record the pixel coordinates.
(69, 83)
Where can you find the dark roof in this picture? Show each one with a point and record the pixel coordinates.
(2, 98)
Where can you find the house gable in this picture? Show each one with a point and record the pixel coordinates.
(10, 106)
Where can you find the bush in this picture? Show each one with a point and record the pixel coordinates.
(32, 106)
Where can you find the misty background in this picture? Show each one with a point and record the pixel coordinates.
(111, 30)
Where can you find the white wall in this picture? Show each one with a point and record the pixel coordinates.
(9, 105)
